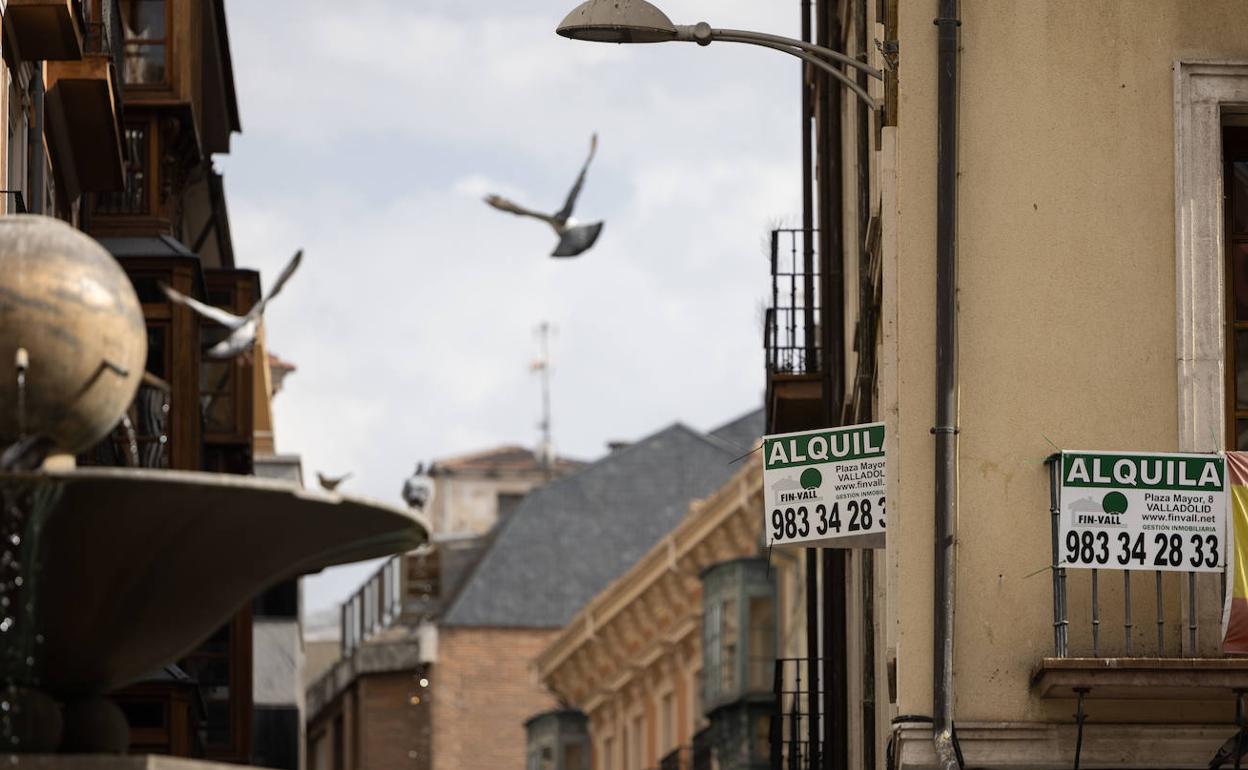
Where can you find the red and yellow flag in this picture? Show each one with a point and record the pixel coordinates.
(1235, 613)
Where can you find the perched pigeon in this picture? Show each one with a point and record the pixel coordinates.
(573, 238)
(418, 488)
(242, 328)
(1237, 744)
(331, 484)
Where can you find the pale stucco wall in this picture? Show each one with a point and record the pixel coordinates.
(1067, 311)
(468, 504)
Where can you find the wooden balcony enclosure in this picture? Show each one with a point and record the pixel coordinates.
(795, 401)
(84, 117)
(48, 30)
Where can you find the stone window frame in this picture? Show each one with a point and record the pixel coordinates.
(1203, 92)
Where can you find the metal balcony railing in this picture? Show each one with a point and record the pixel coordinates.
(701, 754)
(677, 759)
(796, 712)
(103, 30)
(1126, 616)
(141, 439)
(791, 328)
(375, 607)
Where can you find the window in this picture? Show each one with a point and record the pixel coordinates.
(18, 123)
(1235, 169)
(340, 743)
(222, 668)
(573, 757)
(667, 728)
(134, 199)
(146, 52)
(761, 742)
(695, 702)
(639, 732)
(625, 745)
(728, 640)
(738, 634)
(507, 503)
(142, 437)
(762, 645)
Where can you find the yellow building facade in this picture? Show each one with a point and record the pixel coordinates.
(1097, 207)
(633, 661)
(1097, 277)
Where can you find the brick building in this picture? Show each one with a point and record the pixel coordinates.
(448, 681)
(371, 705)
(565, 543)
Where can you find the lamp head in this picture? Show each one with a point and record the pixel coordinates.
(618, 21)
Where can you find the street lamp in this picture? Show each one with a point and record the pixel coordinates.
(637, 21)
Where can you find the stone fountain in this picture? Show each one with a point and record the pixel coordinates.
(108, 573)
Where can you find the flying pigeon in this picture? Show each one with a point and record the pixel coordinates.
(418, 488)
(242, 328)
(574, 238)
(331, 484)
(1237, 744)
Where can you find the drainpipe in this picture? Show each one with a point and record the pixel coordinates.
(812, 352)
(946, 428)
(833, 683)
(35, 157)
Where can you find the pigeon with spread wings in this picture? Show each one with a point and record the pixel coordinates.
(574, 239)
(242, 328)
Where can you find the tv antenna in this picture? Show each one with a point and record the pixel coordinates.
(546, 447)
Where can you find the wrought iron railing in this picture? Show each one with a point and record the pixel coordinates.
(680, 758)
(134, 199)
(1163, 615)
(141, 439)
(791, 327)
(796, 716)
(104, 35)
(701, 755)
(373, 608)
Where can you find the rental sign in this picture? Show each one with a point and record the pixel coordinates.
(1134, 511)
(824, 485)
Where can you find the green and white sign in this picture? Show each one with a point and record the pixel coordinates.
(825, 485)
(1133, 511)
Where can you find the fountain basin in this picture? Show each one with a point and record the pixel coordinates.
(136, 567)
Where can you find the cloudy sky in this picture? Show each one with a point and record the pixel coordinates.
(371, 129)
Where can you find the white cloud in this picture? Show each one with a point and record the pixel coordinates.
(372, 129)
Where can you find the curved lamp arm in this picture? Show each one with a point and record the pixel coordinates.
(728, 37)
(745, 36)
(704, 34)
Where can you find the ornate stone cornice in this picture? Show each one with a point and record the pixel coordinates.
(654, 609)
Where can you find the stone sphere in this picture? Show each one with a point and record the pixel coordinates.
(70, 305)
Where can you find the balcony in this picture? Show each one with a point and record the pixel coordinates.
(791, 333)
(375, 607)
(793, 737)
(141, 439)
(84, 105)
(1126, 635)
(47, 30)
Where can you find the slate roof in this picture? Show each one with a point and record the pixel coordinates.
(744, 431)
(568, 539)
